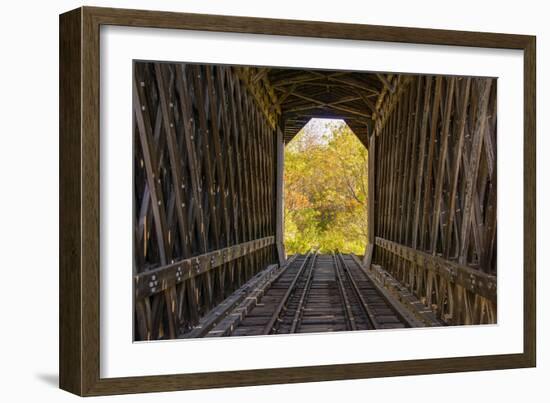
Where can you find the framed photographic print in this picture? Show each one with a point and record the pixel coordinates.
(249, 201)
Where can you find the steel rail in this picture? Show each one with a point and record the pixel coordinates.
(270, 325)
(350, 319)
(397, 306)
(265, 287)
(297, 320)
(366, 309)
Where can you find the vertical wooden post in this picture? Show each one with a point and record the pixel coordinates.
(367, 259)
(279, 196)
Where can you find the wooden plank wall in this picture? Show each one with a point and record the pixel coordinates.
(204, 187)
(435, 183)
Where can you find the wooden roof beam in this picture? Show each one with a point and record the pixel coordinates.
(386, 81)
(330, 84)
(260, 74)
(328, 76)
(293, 80)
(332, 106)
(367, 102)
(323, 113)
(321, 103)
(354, 83)
(302, 78)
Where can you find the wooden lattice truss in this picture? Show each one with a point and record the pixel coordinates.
(435, 194)
(203, 187)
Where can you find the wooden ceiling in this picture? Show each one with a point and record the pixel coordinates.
(301, 95)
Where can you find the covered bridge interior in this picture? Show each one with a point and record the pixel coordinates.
(208, 202)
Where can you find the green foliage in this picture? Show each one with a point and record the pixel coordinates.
(325, 190)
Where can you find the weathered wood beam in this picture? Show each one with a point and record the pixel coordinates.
(472, 173)
(434, 118)
(471, 279)
(260, 73)
(365, 98)
(350, 82)
(407, 158)
(159, 279)
(167, 107)
(456, 164)
(371, 196)
(399, 308)
(280, 209)
(145, 211)
(158, 205)
(443, 153)
(420, 169)
(387, 101)
(262, 91)
(332, 84)
(324, 113)
(386, 81)
(209, 184)
(328, 105)
(305, 77)
(413, 160)
(218, 160)
(226, 307)
(331, 105)
(400, 293)
(253, 296)
(286, 94)
(182, 86)
(312, 105)
(143, 123)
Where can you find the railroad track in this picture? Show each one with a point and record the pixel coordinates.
(314, 293)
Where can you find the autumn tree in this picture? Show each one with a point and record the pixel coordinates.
(325, 190)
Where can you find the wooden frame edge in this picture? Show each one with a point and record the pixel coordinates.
(79, 201)
(70, 275)
(530, 202)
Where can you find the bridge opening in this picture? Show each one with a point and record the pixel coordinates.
(325, 189)
(415, 153)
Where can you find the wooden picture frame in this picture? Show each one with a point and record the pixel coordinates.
(79, 200)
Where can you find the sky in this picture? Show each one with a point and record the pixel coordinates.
(318, 131)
